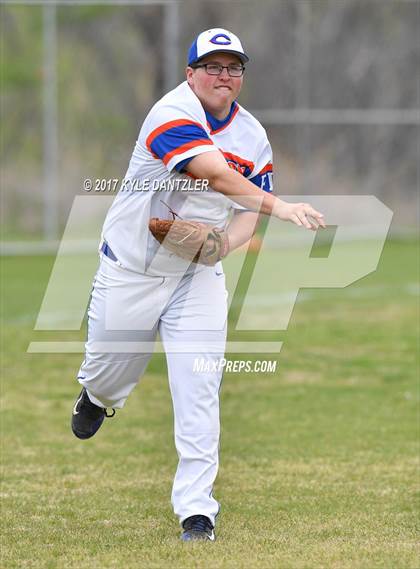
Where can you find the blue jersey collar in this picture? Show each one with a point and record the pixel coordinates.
(216, 124)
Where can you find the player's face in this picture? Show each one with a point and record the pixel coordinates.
(216, 92)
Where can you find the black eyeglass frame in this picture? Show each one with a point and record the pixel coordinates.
(221, 67)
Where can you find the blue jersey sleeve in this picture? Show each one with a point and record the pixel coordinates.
(173, 139)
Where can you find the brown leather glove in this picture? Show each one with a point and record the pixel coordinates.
(191, 240)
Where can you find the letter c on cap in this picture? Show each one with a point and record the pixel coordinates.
(221, 39)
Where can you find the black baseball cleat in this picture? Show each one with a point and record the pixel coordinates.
(198, 528)
(87, 417)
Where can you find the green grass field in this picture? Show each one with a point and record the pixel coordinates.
(319, 461)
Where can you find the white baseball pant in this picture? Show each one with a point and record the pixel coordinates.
(128, 309)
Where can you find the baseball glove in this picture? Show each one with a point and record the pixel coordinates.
(191, 240)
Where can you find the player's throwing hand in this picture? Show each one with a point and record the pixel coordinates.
(302, 214)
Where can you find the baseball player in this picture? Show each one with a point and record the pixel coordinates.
(160, 262)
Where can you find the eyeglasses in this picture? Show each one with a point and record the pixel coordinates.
(216, 69)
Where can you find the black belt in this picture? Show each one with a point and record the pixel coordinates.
(107, 251)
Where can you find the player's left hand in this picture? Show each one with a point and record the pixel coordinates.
(302, 214)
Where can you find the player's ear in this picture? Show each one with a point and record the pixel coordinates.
(189, 71)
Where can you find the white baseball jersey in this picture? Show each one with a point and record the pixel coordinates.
(176, 129)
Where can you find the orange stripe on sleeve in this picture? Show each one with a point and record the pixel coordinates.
(167, 126)
(185, 147)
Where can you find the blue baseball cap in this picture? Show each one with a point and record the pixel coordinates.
(214, 41)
